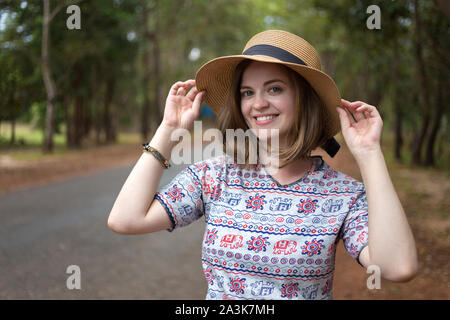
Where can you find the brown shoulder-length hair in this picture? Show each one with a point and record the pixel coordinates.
(305, 135)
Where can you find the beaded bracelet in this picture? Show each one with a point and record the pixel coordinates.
(156, 154)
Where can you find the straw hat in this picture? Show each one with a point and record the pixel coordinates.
(275, 46)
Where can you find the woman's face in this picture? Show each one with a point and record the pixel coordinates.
(268, 99)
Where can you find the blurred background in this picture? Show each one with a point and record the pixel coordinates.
(75, 104)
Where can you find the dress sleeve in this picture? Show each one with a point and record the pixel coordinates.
(355, 229)
(182, 197)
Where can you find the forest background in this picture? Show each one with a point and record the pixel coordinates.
(67, 90)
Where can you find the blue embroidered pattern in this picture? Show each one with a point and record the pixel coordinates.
(264, 240)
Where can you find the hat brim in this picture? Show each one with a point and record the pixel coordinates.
(215, 77)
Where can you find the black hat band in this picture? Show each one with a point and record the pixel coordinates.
(274, 52)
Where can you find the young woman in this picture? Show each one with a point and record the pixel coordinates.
(271, 232)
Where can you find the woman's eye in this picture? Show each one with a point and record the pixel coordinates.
(246, 93)
(275, 89)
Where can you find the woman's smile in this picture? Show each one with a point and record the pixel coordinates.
(262, 120)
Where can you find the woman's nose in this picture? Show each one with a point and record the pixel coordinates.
(260, 101)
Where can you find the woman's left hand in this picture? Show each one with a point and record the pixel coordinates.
(363, 135)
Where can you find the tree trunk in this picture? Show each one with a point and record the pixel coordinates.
(77, 120)
(420, 139)
(423, 88)
(438, 114)
(398, 116)
(146, 63)
(48, 80)
(107, 115)
(444, 7)
(157, 81)
(158, 109)
(441, 83)
(68, 119)
(87, 117)
(77, 116)
(13, 131)
(96, 109)
(398, 132)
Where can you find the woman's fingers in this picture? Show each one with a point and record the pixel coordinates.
(348, 111)
(192, 93)
(181, 91)
(197, 103)
(174, 88)
(359, 115)
(345, 118)
(345, 103)
(357, 109)
(180, 84)
(369, 111)
(353, 106)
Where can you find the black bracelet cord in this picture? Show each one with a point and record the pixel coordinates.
(146, 146)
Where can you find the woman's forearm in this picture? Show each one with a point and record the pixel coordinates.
(391, 242)
(139, 189)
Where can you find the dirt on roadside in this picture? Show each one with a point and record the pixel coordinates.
(424, 195)
(16, 174)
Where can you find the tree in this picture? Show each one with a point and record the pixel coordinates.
(393, 67)
(18, 76)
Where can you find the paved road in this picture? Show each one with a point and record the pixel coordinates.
(45, 229)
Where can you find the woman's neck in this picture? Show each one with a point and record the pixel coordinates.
(290, 172)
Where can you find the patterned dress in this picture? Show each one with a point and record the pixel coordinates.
(264, 240)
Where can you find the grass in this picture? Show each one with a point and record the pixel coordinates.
(26, 134)
(29, 141)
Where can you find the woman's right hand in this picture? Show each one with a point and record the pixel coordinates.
(182, 109)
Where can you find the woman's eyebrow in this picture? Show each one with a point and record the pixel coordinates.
(265, 83)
